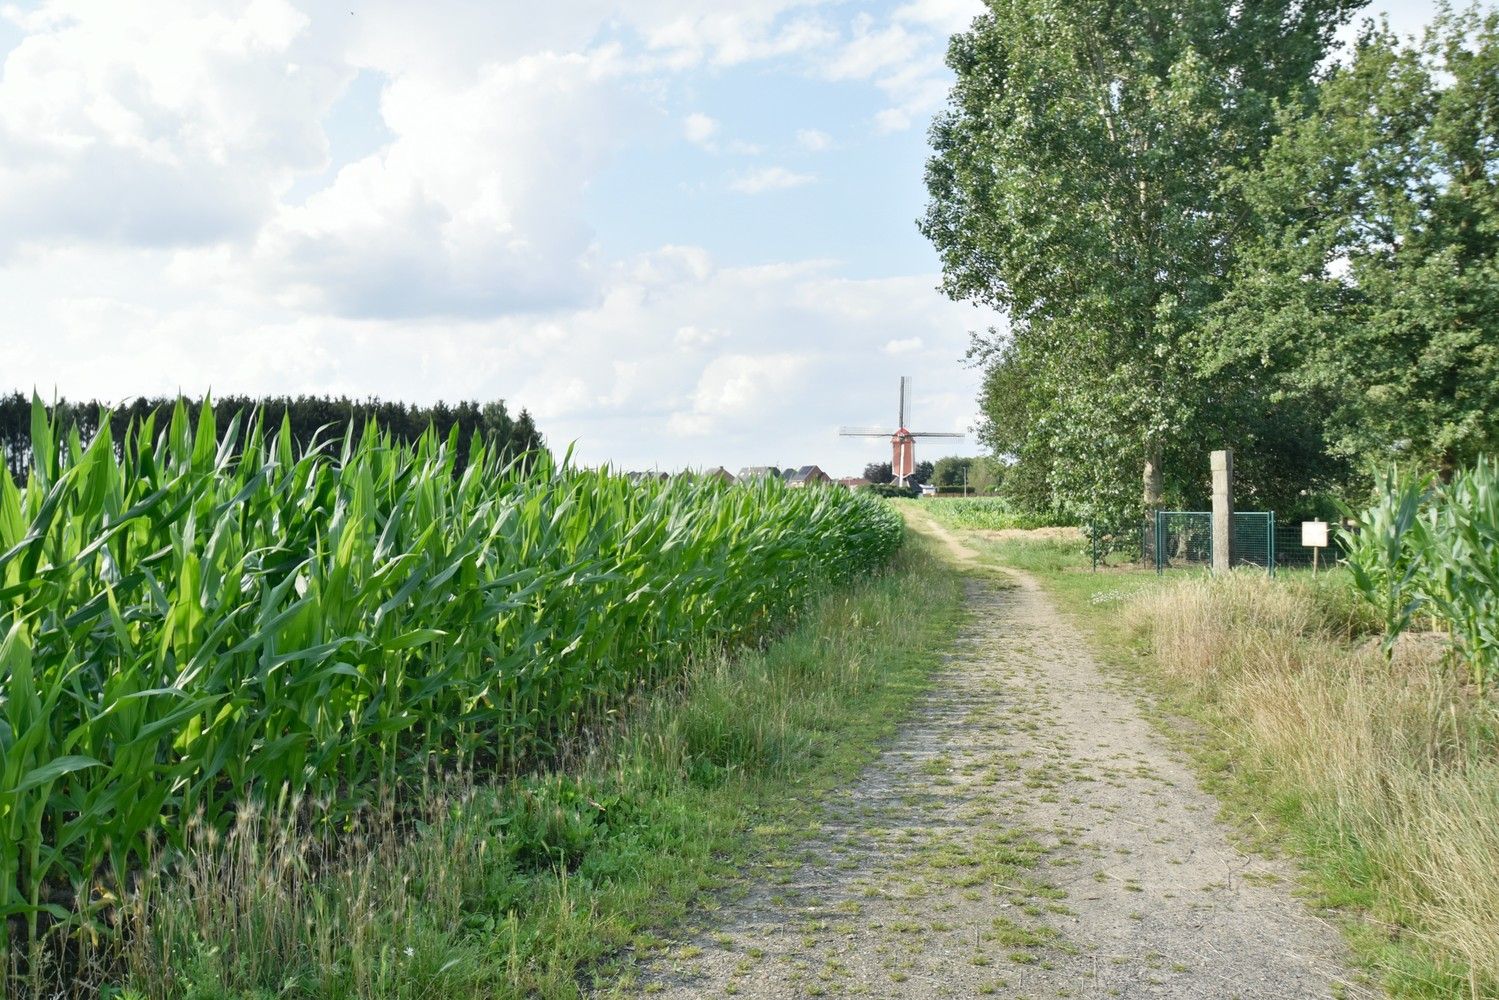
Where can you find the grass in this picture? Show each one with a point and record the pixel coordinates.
(1380, 778)
(565, 878)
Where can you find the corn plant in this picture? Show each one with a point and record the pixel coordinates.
(1384, 552)
(1460, 558)
(190, 623)
(1435, 547)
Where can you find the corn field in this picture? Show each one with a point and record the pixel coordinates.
(192, 622)
(1432, 549)
(980, 513)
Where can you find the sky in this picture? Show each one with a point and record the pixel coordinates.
(680, 233)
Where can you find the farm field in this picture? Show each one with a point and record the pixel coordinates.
(204, 633)
(900, 499)
(979, 513)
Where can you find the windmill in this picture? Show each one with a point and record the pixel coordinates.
(902, 441)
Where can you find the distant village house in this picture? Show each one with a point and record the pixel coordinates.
(807, 475)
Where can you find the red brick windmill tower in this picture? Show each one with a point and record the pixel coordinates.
(902, 440)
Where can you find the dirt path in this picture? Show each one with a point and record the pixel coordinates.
(1027, 834)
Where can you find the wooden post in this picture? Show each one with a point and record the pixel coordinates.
(1223, 510)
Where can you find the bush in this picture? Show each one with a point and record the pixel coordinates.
(891, 490)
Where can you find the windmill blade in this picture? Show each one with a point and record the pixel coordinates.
(863, 432)
(937, 434)
(905, 399)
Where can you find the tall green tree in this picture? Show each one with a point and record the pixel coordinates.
(1077, 184)
(1367, 295)
(951, 471)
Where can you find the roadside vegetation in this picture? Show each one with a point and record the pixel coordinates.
(564, 876)
(1366, 746)
(217, 638)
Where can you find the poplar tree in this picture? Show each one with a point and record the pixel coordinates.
(1077, 184)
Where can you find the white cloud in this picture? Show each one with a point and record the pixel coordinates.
(691, 337)
(701, 131)
(181, 206)
(473, 208)
(946, 16)
(689, 32)
(903, 346)
(902, 56)
(742, 389)
(814, 140)
(762, 179)
(699, 128)
(177, 128)
(872, 50)
(892, 120)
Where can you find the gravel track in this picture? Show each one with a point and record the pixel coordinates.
(1026, 834)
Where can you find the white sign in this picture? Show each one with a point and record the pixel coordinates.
(1314, 534)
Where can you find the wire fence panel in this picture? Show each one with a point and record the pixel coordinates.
(1254, 539)
(1177, 539)
(1291, 554)
(1182, 538)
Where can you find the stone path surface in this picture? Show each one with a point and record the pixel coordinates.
(1027, 834)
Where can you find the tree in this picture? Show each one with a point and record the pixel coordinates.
(879, 472)
(921, 473)
(952, 472)
(1077, 184)
(986, 475)
(1367, 296)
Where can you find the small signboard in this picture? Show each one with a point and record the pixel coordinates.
(1314, 537)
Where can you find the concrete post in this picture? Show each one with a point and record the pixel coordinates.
(1223, 510)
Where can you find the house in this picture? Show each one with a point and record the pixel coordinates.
(721, 474)
(853, 482)
(807, 475)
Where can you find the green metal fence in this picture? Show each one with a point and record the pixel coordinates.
(1176, 539)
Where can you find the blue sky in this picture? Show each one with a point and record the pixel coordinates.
(682, 234)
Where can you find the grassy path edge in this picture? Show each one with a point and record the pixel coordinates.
(1271, 814)
(558, 884)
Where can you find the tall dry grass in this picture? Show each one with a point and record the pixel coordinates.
(1387, 771)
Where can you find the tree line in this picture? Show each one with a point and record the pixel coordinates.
(1207, 225)
(310, 418)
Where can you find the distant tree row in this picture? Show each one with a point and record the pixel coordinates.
(881, 472)
(980, 473)
(1206, 231)
(310, 417)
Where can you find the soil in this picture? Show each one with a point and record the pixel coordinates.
(1027, 834)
